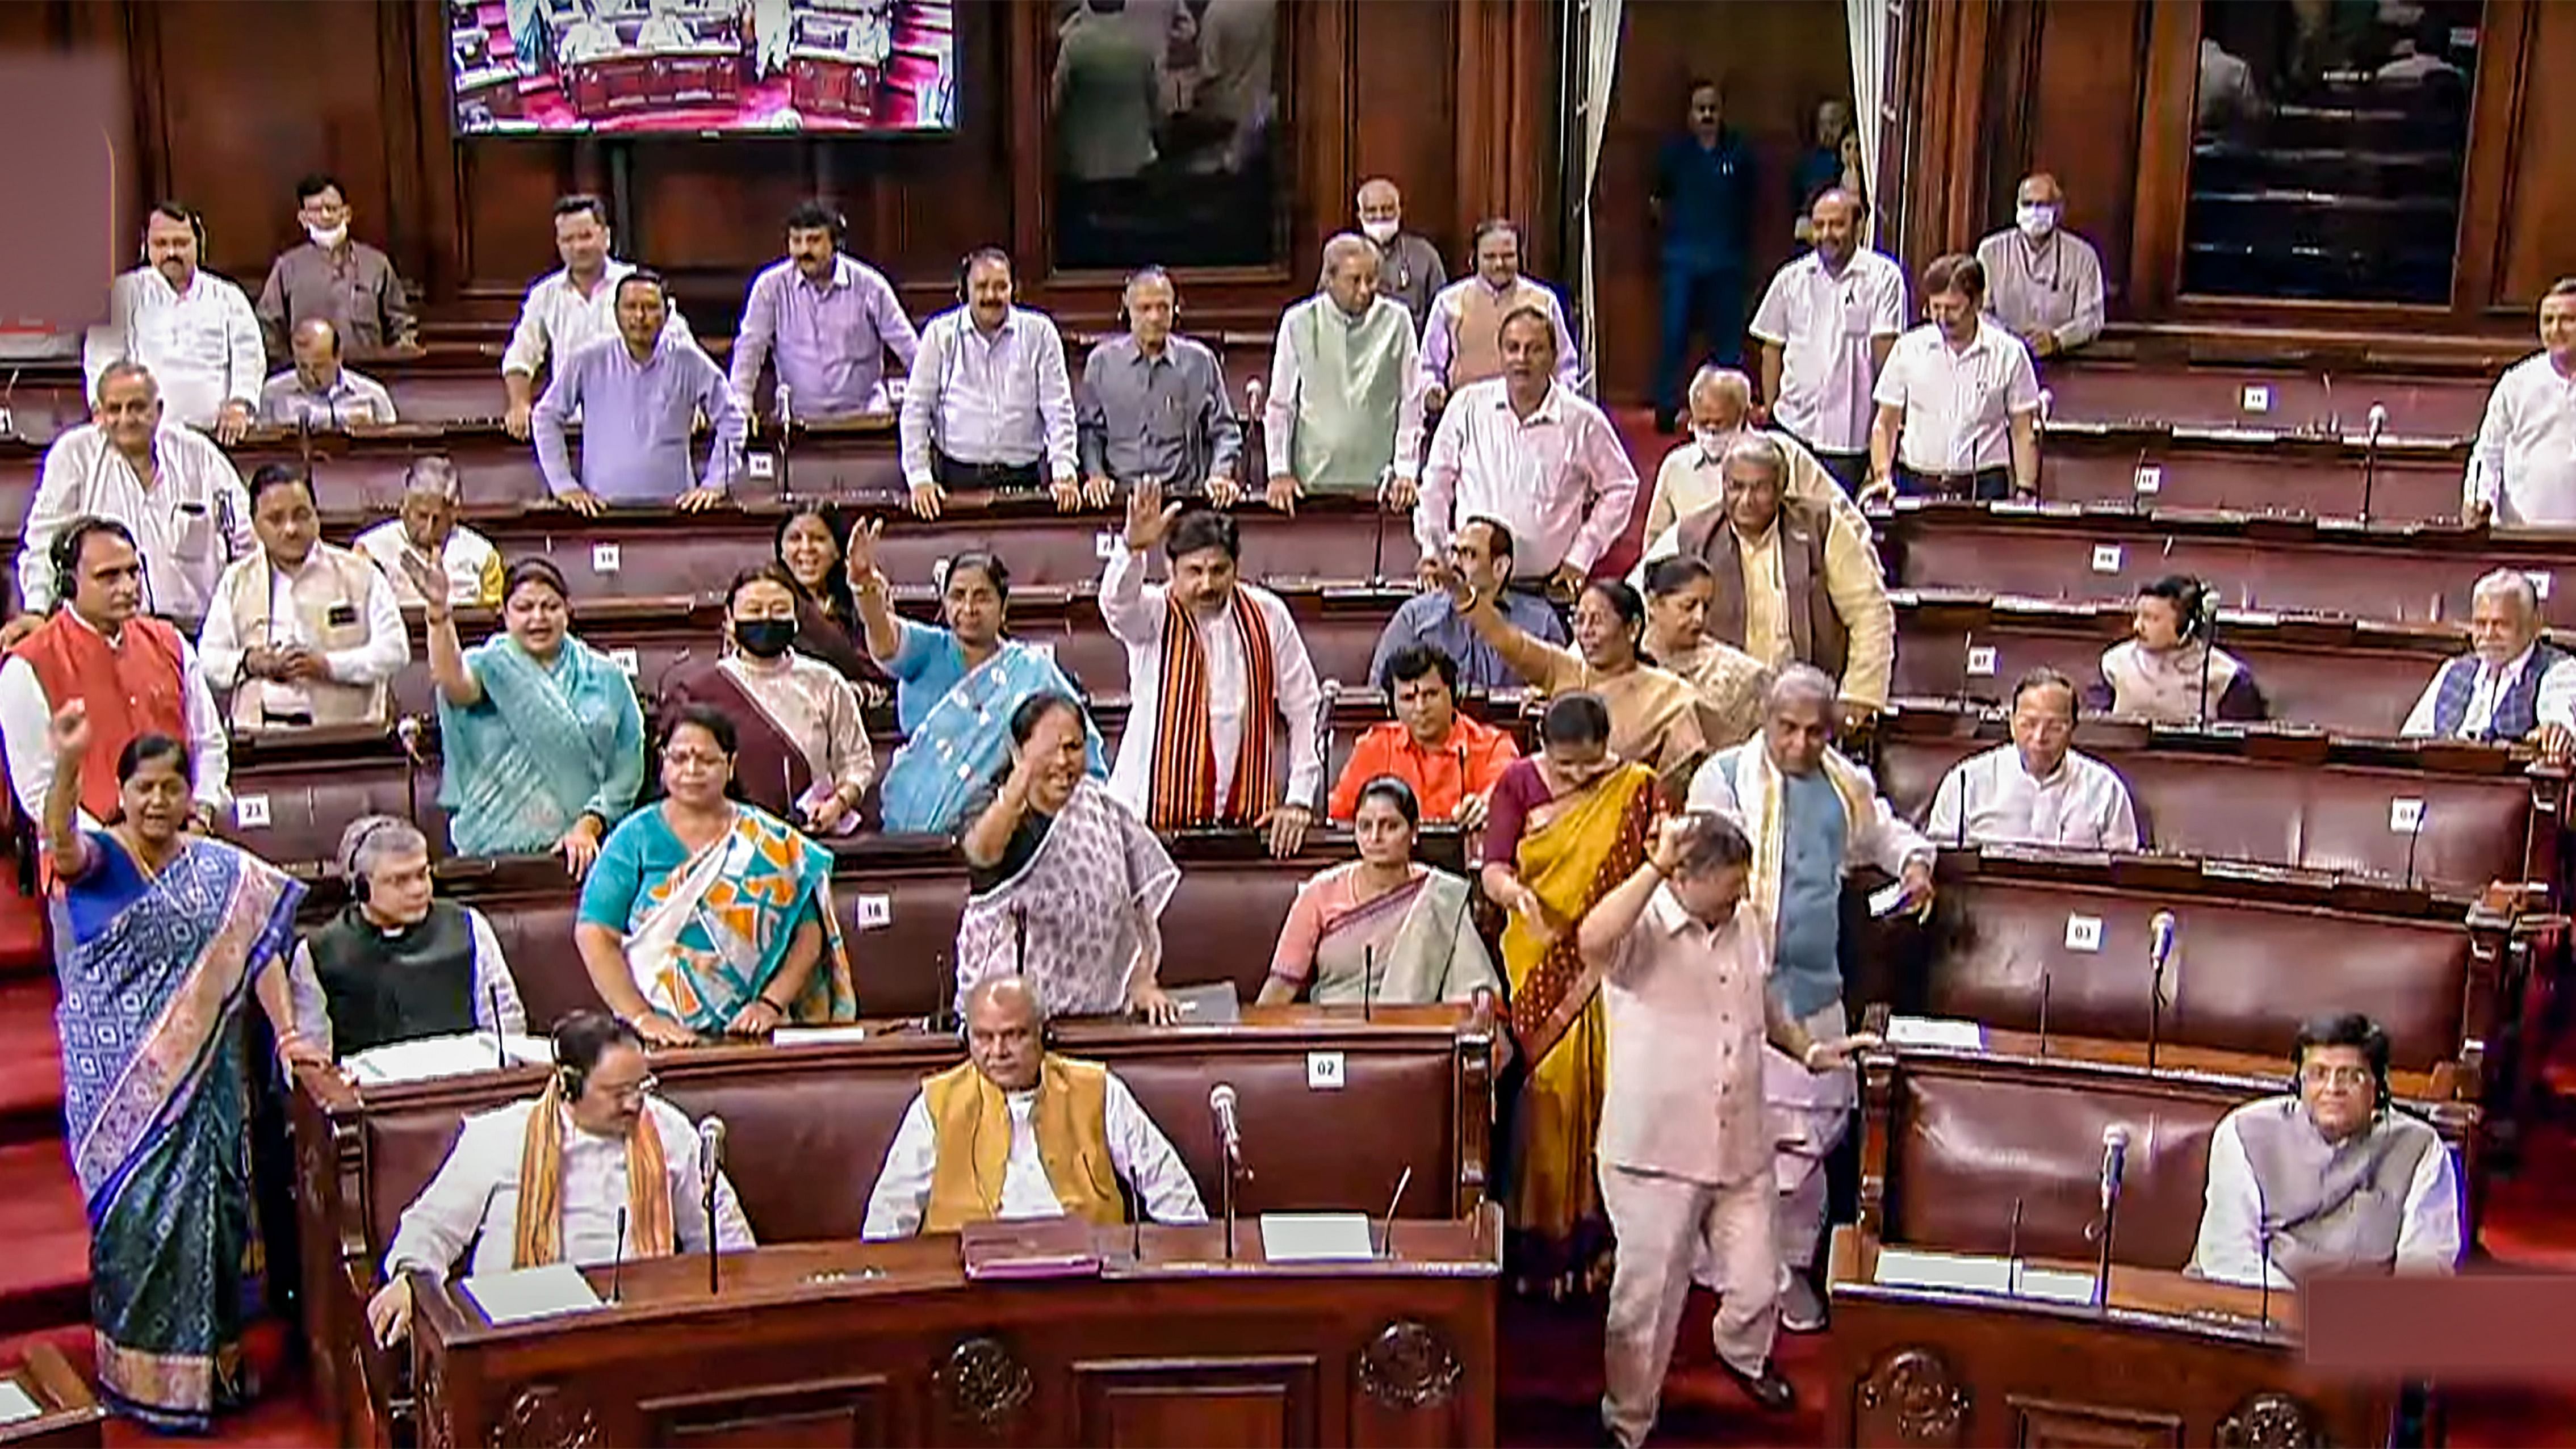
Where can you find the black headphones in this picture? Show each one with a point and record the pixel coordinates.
(2374, 1049)
(196, 228)
(364, 831)
(64, 554)
(966, 267)
(575, 1079)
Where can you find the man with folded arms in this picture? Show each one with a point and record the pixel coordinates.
(2333, 1177)
(828, 319)
(1343, 414)
(1684, 1147)
(639, 394)
(2036, 790)
(592, 1170)
(1020, 1131)
(988, 403)
(1449, 760)
(2512, 686)
(1153, 405)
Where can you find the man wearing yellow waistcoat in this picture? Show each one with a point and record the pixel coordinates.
(1017, 1131)
(301, 633)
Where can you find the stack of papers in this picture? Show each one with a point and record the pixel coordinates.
(16, 1403)
(526, 1293)
(446, 1056)
(816, 1035)
(1976, 1273)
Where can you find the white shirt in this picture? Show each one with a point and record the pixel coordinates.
(1539, 475)
(1822, 325)
(221, 647)
(26, 722)
(352, 397)
(2082, 805)
(2524, 460)
(2230, 1247)
(1138, 1152)
(1006, 398)
(1288, 387)
(469, 558)
(203, 345)
(474, 1199)
(495, 989)
(1136, 613)
(556, 319)
(2555, 703)
(189, 526)
(1958, 403)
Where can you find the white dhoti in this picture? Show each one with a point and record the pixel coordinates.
(1663, 1224)
(1809, 1112)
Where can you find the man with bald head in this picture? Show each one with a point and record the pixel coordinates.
(1018, 1130)
(2043, 281)
(1343, 416)
(317, 392)
(1153, 405)
(1692, 475)
(1409, 269)
(1826, 326)
(2513, 686)
(1812, 816)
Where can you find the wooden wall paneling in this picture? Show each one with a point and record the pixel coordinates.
(2083, 122)
(1508, 112)
(2487, 180)
(2163, 155)
(1944, 185)
(2010, 101)
(2536, 213)
(1401, 97)
(1329, 69)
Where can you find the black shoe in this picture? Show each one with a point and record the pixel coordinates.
(1667, 422)
(1768, 1388)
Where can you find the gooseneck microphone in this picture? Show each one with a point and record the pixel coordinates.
(711, 1145)
(1229, 1139)
(2160, 945)
(2115, 1163)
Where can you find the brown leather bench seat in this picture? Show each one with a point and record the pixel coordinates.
(2352, 677)
(2286, 799)
(2165, 467)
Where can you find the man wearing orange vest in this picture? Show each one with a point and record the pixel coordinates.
(1017, 1131)
(137, 674)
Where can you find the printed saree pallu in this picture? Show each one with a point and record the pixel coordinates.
(155, 973)
(709, 936)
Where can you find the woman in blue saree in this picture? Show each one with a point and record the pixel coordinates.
(955, 687)
(705, 916)
(543, 738)
(160, 936)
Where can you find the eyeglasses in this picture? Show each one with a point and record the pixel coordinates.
(689, 758)
(635, 1094)
(2320, 1076)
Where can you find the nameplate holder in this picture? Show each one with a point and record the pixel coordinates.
(1981, 661)
(874, 912)
(2405, 815)
(250, 812)
(605, 558)
(624, 658)
(1325, 1072)
(2084, 933)
(2257, 398)
(2106, 558)
(2150, 479)
(1106, 543)
(761, 465)
(2539, 582)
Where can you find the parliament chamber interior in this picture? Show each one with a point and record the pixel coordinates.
(1767, 722)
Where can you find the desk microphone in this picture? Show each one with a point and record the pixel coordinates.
(786, 427)
(1368, 981)
(1229, 1132)
(2115, 1163)
(2412, 837)
(1019, 940)
(2263, 1250)
(2160, 944)
(1386, 1239)
(617, 1262)
(711, 1145)
(2012, 1250)
(500, 1048)
(2370, 455)
(2043, 1012)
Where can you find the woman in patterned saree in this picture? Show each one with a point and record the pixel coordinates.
(1064, 884)
(1565, 827)
(543, 738)
(709, 917)
(1385, 927)
(956, 687)
(161, 938)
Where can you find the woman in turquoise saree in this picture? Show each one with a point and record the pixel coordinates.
(543, 739)
(705, 916)
(160, 936)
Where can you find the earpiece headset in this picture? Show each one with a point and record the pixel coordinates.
(366, 830)
(966, 266)
(196, 228)
(64, 554)
(2374, 1049)
(575, 1079)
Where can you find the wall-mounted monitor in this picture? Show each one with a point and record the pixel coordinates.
(702, 66)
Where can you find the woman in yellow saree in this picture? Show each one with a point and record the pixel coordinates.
(1565, 826)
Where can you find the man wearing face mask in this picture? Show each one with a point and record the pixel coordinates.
(1215, 671)
(2036, 790)
(2044, 282)
(1409, 269)
(1826, 325)
(317, 392)
(1343, 414)
(1692, 476)
(195, 330)
(831, 319)
(336, 278)
(302, 632)
(426, 529)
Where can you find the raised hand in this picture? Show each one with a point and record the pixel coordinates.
(860, 558)
(1147, 519)
(71, 731)
(429, 581)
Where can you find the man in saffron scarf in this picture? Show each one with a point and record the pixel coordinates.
(554, 1178)
(1215, 672)
(1812, 815)
(1565, 826)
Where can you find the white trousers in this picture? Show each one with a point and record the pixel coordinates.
(1809, 1112)
(1663, 1224)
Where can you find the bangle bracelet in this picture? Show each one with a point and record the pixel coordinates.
(772, 1005)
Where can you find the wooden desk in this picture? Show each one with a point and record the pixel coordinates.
(70, 1415)
(2170, 1360)
(887, 1343)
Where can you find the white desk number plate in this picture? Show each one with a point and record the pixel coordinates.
(1104, 544)
(2083, 933)
(2405, 815)
(763, 465)
(604, 558)
(2539, 582)
(2106, 558)
(2151, 479)
(2258, 398)
(625, 659)
(250, 812)
(875, 912)
(1981, 661)
(1324, 1071)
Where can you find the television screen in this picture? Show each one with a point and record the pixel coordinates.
(532, 66)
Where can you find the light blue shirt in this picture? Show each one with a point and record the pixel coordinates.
(1807, 968)
(636, 421)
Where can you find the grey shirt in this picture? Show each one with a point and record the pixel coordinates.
(351, 398)
(1163, 417)
(1409, 271)
(354, 286)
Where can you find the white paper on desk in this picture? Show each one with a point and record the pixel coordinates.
(1935, 1031)
(2055, 1285)
(526, 1293)
(444, 1056)
(816, 1035)
(16, 1403)
(1977, 1273)
(1315, 1237)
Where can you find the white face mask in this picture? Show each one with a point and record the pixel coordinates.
(2036, 222)
(327, 239)
(1380, 232)
(1713, 441)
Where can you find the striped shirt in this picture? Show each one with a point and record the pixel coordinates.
(638, 417)
(1958, 403)
(1006, 398)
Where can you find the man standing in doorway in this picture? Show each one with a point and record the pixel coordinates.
(1703, 204)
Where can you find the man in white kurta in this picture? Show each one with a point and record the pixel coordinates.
(195, 330)
(1007, 1052)
(169, 485)
(2522, 469)
(2036, 790)
(302, 632)
(2512, 686)
(1826, 324)
(1208, 597)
